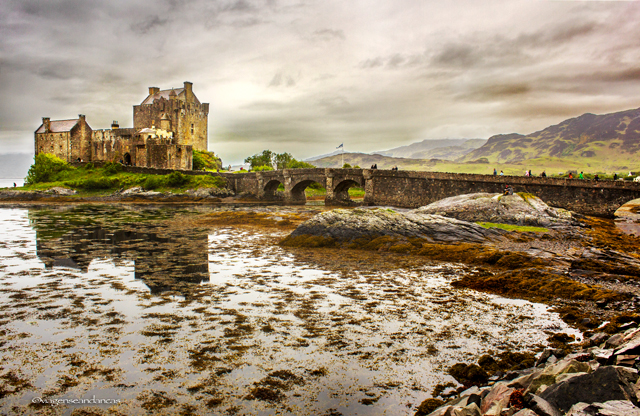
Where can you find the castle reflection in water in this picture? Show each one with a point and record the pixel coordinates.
(165, 258)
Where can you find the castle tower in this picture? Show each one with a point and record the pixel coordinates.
(178, 109)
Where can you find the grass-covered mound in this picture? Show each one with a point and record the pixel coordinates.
(49, 171)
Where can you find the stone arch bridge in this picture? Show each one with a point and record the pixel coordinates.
(409, 189)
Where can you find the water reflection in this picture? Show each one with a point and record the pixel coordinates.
(165, 258)
(234, 323)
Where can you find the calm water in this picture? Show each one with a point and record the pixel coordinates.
(144, 307)
(8, 182)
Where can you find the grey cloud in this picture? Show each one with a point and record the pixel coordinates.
(263, 106)
(558, 35)
(497, 92)
(240, 23)
(461, 54)
(328, 34)
(276, 81)
(621, 75)
(148, 24)
(372, 63)
(282, 79)
(65, 10)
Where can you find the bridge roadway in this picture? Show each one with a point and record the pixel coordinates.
(410, 189)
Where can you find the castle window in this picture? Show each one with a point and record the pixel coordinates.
(191, 128)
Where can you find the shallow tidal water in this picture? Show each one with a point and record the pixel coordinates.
(140, 309)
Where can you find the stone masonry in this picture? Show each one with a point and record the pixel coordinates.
(167, 126)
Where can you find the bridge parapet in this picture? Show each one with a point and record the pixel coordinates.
(411, 189)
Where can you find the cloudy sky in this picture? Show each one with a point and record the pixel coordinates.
(304, 76)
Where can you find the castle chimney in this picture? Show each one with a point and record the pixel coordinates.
(115, 125)
(46, 122)
(153, 90)
(81, 117)
(188, 88)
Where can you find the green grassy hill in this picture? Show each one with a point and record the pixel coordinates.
(607, 142)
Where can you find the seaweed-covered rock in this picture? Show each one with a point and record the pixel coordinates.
(428, 406)
(521, 209)
(346, 225)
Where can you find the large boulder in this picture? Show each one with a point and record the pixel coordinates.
(346, 225)
(496, 400)
(523, 209)
(604, 384)
(58, 190)
(541, 406)
(611, 408)
(551, 373)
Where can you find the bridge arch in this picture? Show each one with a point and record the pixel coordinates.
(297, 195)
(270, 189)
(340, 191)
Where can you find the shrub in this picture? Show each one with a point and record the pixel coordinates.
(152, 182)
(111, 168)
(262, 168)
(89, 166)
(206, 160)
(299, 164)
(45, 168)
(101, 182)
(176, 179)
(346, 166)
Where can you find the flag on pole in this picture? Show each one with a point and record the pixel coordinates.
(341, 145)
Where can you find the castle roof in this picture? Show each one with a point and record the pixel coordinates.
(166, 94)
(59, 126)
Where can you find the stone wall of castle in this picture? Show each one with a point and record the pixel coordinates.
(111, 145)
(54, 143)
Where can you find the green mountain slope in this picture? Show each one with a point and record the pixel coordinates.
(607, 141)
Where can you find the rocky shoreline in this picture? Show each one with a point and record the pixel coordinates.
(136, 194)
(599, 379)
(584, 268)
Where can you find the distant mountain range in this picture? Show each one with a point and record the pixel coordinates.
(608, 139)
(448, 149)
(598, 142)
(365, 160)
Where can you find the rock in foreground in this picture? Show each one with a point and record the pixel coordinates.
(346, 225)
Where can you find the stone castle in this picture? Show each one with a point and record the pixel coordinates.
(167, 126)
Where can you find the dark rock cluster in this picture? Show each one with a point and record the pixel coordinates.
(601, 379)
